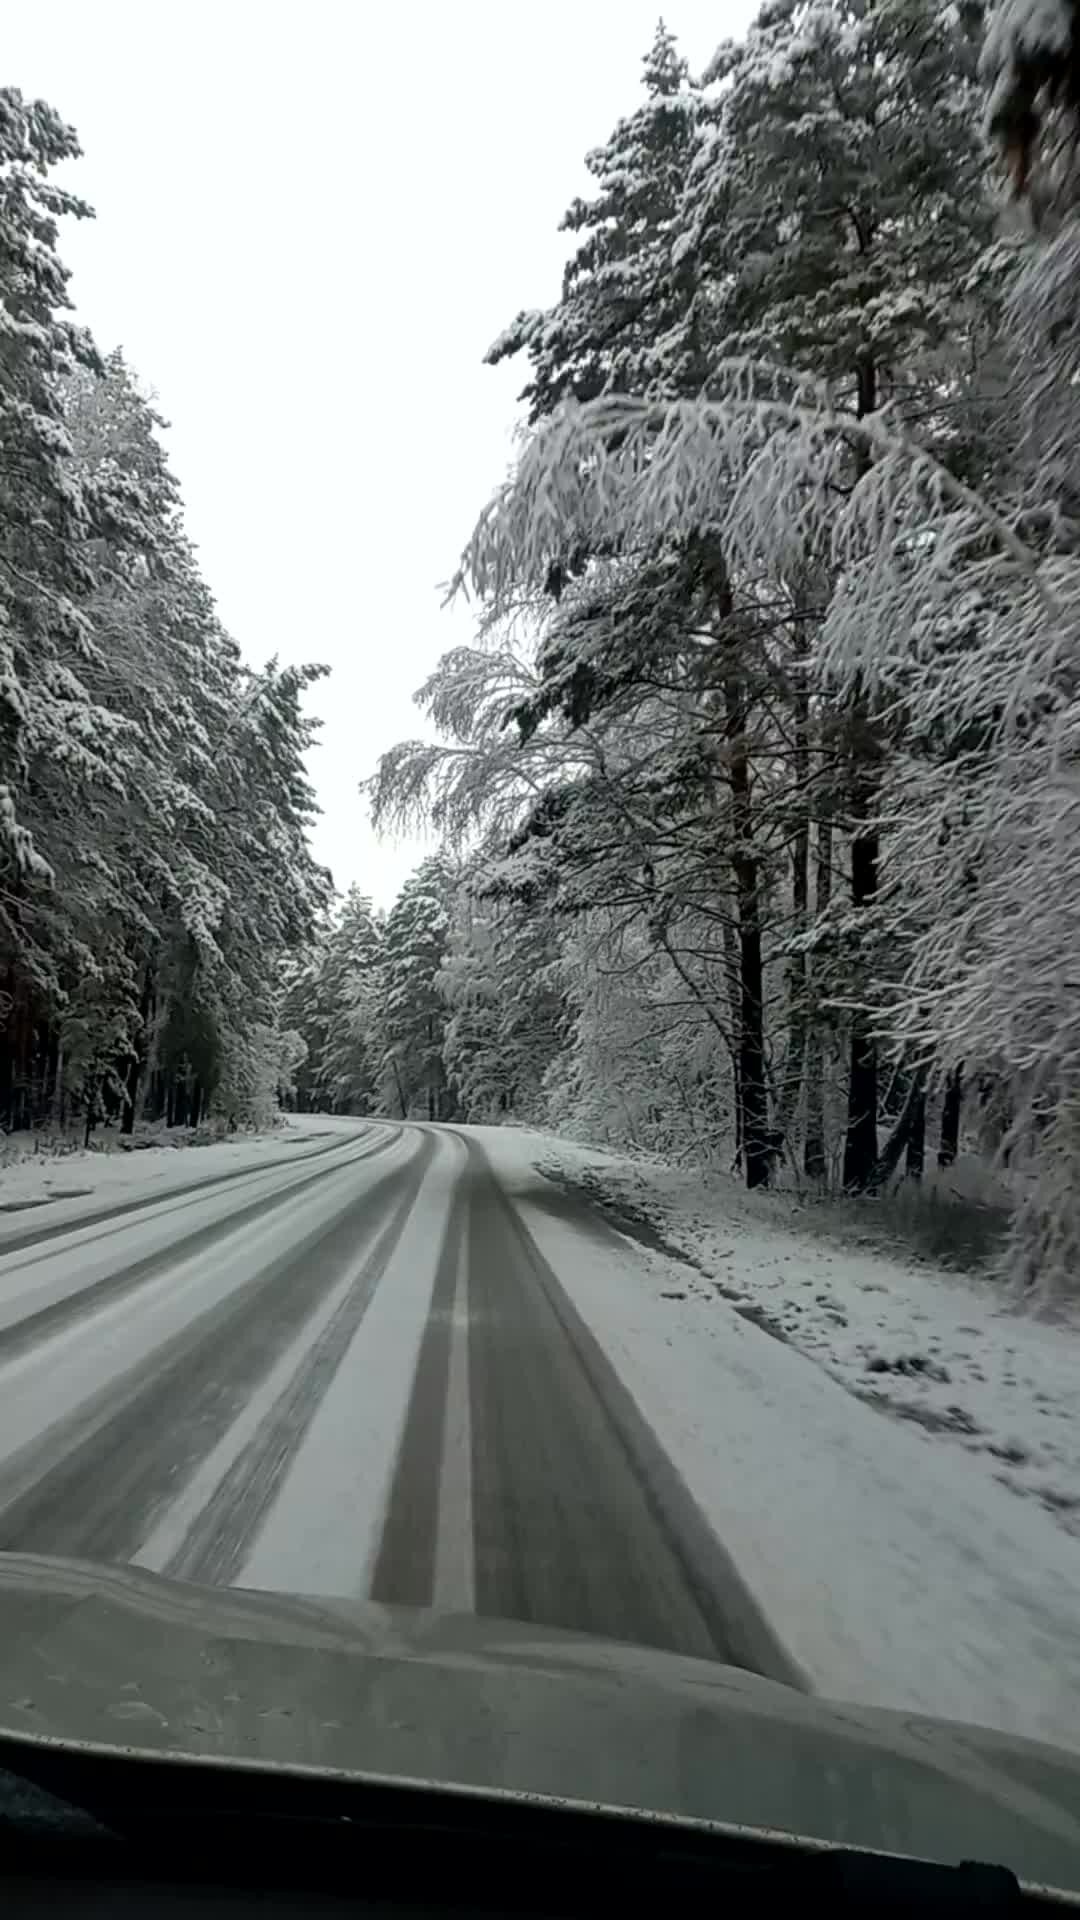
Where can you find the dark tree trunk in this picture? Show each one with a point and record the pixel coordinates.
(7, 1046)
(58, 1106)
(50, 1076)
(815, 1158)
(894, 1099)
(949, 1138)
(860, 1141)
(798, 971)
(196, 1105)
(731, 971)
(402, 1102)
(916, 1146)
(138, 1058)
(17, 1070)
(753, 1090)
(909, 1132)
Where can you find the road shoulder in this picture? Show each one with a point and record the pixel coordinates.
(895, 1573)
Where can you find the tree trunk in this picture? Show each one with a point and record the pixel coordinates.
(52, 1072)
(860, 1141)
(19, 1034)
(916, 1146)
(56, 1110)
(797, 969)
(815, 1158)
(949, 1137)
(751, 1032)
(909, 1132)
(400, 1089)
(138, 1058)
(731, 973)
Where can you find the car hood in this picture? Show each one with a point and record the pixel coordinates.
(117, 1657)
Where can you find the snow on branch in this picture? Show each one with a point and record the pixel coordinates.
(782, 479)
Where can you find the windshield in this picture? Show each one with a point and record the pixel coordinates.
(628, 1207)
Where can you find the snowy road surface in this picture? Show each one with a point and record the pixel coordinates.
(350, 1370)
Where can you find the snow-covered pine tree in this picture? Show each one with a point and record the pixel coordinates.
(413, 1075)
(46, 518)
(940, 599)
(834, 221)
(153, 800)
(620, 291)
(781, 196)
(626, 324)
(351, 990)
(502, 988)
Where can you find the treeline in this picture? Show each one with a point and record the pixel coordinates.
(154, 866)
(364, 1013)
(761, 772)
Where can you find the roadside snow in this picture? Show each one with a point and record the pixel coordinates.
(889, 1560)
(948, 1353)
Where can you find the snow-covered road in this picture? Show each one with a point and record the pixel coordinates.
(346, 1370)
(396, 1362)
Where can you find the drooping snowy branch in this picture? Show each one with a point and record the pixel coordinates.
(784, 481)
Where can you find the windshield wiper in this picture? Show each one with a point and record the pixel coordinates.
(73, 1813)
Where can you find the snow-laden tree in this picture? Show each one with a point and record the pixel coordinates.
(47, 519)
(621, 292)
(415, 941)
(838, 204)
(642, 1067)
(504, 996)
(352, 986)
(879, 465)
(838, 223)
(821, 201)
(939, 605)
(333, 999)
(154, 802)
(627, 323)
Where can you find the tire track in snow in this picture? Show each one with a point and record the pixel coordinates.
(405, 1568)
(95, 1483)
(323, 1533)
(104, 1216)
(81, 1302)
(221, 1539)
(581, 1521)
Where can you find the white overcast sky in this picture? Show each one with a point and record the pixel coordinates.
(312, 220)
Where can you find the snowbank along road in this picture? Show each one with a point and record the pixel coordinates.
(350, 1372)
